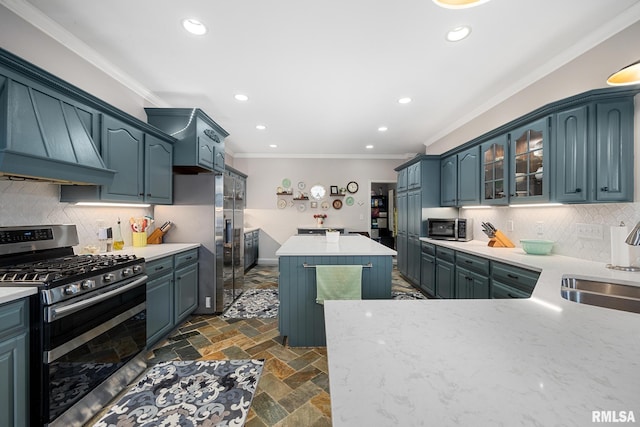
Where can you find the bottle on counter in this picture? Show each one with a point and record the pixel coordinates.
(118, 242)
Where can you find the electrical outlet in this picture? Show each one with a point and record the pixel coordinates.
(207, 302)
(539, 228)
(589, 231)
(510, 225)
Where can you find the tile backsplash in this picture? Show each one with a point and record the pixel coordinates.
(558, 223)
(34, 203)
(29, 203)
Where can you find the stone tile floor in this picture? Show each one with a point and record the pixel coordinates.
(294, 386)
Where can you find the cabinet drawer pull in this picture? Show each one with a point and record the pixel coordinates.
(578, 190)
(604, 189)
(468, 261)
(513, 276)
(188, 258)
(160, 268)
(510, 295)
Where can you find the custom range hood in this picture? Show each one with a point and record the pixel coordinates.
(46, 134)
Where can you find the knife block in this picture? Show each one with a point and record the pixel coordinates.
(155, 238)
(500, 241)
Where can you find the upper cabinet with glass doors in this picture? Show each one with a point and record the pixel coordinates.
(529, 162)
(495, 171)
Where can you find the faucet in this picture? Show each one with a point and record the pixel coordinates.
(633, 238)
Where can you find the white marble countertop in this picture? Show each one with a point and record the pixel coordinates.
(536, 361)
(149, 253)
(153, 252)
(317, 245)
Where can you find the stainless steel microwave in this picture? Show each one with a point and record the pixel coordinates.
(450, 229)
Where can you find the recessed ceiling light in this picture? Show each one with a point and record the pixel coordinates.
(261, 127)
(369, 147)
(458, 33)
(194, 26)
(404, 100)
(241, 97)
(459, 4)
(273, 145)
(383, 129)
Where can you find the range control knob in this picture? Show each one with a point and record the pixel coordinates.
(137, 268)
(109, 277)
(71, 290)
(88, 284)
(127, 272)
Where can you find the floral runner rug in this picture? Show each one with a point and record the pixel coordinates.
(262, 303)
(188, 394)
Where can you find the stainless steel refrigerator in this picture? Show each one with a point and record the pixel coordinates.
(209, 209)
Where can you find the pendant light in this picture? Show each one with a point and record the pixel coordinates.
(629, 75)
(459, 4)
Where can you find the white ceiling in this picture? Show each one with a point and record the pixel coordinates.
(324, 75)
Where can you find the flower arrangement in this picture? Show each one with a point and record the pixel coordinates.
(323, 216)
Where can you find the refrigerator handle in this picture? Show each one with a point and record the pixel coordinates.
(227, 230)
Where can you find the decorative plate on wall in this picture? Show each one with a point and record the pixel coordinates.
(337, 204)
(302, 207)
(301, 185)
(286, 183)
(324, 205)
(349, 201)
(282, 203)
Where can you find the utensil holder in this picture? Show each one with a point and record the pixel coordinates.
(139, 239)
(500, 241)
(155, 238)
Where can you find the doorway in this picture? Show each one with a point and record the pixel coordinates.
(382, 224)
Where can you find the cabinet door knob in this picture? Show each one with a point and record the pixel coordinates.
(578, 190)
(604, 189)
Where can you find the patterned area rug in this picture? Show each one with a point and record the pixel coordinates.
(262, 303)
(407, 295)
(188, 394)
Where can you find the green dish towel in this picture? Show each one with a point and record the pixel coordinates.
(338, 282)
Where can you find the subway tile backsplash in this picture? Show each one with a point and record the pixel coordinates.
(35, 203)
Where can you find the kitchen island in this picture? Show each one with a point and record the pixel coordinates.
(537, 361)
(301, 319)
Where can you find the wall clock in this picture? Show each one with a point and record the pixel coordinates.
(352, 187)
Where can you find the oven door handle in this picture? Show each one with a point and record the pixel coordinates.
(55, 313)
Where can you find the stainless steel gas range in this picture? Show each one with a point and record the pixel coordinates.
(88, 321)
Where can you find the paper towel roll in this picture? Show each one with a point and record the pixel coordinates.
(620, 251)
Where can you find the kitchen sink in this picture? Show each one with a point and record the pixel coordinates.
(616, 296)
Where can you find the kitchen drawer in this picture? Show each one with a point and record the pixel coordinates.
(185, 258)
(428, 248)
(520, 278)
(502, 291)
(159, 267)
(473, 263)
(445, 254)
(13, 318)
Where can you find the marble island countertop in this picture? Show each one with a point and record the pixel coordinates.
(317, 245)
(537, 361)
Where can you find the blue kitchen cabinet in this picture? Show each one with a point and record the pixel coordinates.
(495, 171)
(445, 272)
(14, 362)
(123, 150)
(172, 292)
(428, 268)
(402, 236)
(401, 185)
(572, 142)
(468, 191)
(158, 175)
(529, 162)
(186, 284)
(449, 181)
(509, 281)
(423, 183)
(471, 285)
(594, 153)
(614, 151)
(414, 222)
(200, 146)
